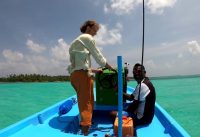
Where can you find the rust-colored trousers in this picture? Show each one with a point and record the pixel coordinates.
(83, 84)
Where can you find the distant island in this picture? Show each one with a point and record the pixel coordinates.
(46, 78)
(170, 77)
(33, 78)
(175, 77)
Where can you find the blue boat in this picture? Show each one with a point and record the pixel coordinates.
(48, 123)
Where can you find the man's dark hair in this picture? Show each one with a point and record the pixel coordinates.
(139, 65)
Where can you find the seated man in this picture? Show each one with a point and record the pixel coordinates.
(144, 96)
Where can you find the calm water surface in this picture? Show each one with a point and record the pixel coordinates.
(179, 97)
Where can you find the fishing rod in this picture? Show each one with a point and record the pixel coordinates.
(143, 27)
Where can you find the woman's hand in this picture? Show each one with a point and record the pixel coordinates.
(110, 67)
(99, 70)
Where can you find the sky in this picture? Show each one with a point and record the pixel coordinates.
(35, 35)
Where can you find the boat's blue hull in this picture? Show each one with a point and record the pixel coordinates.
(47, 124)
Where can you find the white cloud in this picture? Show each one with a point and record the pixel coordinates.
(150, 64)
(168, 58)
(180, 55)
(121, 7)
(34, 47)
(12, 55)
(168, 65)
(60, 51)
(157, 6)
(38, 60)
(109, 37)
(33, 63)
(193, 47)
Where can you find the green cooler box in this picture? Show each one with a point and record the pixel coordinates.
(106, 87)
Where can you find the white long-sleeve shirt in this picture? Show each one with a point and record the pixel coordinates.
(80, 53)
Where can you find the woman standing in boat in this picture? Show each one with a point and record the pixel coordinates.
(81, 73)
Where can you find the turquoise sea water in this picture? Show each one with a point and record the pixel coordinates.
(20, 100)
(179, 97)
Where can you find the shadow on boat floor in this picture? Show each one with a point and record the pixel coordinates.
(102, 124)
